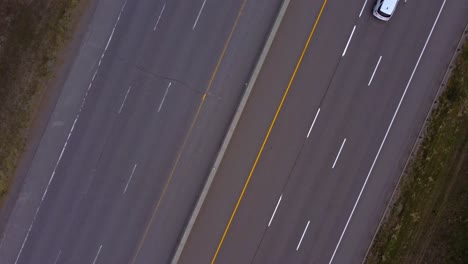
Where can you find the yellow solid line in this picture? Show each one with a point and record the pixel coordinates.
(179, 154)
(268, 134)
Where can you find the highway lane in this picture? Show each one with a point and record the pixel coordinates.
(145, 90)
(327, 201)
(357, 101)
(424, 84)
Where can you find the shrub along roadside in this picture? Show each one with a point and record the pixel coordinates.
(31, 35)
(428, 222)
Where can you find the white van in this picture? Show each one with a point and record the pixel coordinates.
(384, 9)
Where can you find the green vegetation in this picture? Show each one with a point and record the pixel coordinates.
(31, 35)
(428, 222)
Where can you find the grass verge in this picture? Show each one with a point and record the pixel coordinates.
(31, 35)
(428, 222)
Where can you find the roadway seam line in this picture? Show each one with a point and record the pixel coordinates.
(130, 178)
(349, 40)
(385, 137)
(199, 13)
(68, 137)
(303, 234)
(160, 14)
(125, 98)
(420, 133)
(339, 152)
(184, 142)
(276, 208)
(230, 132)
(97, 254)
(268, 133)
(164, 97)
(375, 70)
(58, 256)
(313, 122)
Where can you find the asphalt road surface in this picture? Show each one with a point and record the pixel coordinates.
(137, 125)
(310, 184)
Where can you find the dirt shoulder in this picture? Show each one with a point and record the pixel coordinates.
(428, 219)
(38, 40)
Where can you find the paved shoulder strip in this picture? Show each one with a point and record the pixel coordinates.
(230, 132)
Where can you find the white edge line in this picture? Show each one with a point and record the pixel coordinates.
(363, 6)
(339, 152)
(274, 212)
(313, 122)
(303, 234)
(199, 13)
(349, 40)
(164, 97)
(97, 254)
(375, 70)
(65, 144)
(160, 14)
(385, 137)
(46, 189)
(125, 98)
(113, 29)
(130, 178)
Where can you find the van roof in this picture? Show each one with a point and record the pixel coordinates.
(388, 6)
